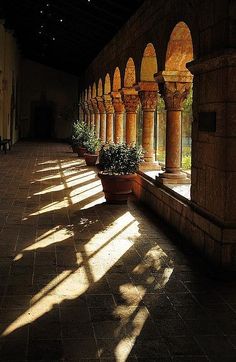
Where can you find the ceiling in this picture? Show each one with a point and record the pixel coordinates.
(65, 34)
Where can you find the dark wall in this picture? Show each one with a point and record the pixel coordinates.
(48, 102)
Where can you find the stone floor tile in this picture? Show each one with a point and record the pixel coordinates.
(79, 283)
(45, 350)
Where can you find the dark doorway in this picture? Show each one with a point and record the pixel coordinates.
(42, 119)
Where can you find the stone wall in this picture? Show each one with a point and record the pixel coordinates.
(56, 88)
(9, 85)
(213, 239)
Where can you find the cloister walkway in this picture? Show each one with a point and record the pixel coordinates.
(84, 281)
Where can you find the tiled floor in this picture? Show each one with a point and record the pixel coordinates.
(84, 281)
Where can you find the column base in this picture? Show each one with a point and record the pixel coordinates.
(173, 178)
(149, 166)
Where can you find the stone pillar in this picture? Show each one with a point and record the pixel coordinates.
(131, 102)
(148, 96)
(109, 117)
(96, 117)
(102, 112)
(119, 116)
(87, 113)
(91, 112)
(174, 88)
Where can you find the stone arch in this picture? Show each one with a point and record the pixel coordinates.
(149, 63)
(100, 88)
(130, 74)
(116, 85)
(89, 93)
(180, 48)
(94, 90)
(107, 85)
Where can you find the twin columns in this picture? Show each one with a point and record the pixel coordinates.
(174, 88)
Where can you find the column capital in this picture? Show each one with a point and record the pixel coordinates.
(90, 106)
(117, 102)
(174, 88)
(148, 94)
(108, 104)
(94, 105)
(101, 105)
(130, 99)
(86, 106)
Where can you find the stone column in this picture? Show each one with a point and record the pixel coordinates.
(131, 102)
(87, 113)
(102, 112)
(119, 116)
(148, 96)
(91, 112)
(96, 117)
(109, 117)
(174, 89)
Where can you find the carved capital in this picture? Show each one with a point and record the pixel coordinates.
(131, 102)
(101, 106)
(117, 102)
(94, 105)
(148, 100)
(174, 94)
(86, 107)
(108, 104)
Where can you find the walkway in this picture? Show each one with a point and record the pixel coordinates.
(84, 281)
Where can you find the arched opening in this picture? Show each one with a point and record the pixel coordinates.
(179, 53)
(116, 80)
(89, 93)
(180, 48)
(107, 85)
(100, 88)
(149, 63)
(149, 67)
(94, 90)
(130, 74)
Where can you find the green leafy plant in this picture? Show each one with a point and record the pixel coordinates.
(120, 159)
(80, 132)
(186, 162)
(92, 143)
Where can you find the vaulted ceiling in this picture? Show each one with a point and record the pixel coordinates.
(65, 34)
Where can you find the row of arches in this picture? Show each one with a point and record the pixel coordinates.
(152, 101)
(179, 53)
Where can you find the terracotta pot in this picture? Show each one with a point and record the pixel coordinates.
(81, 151)
(74, 148)
(117, 188)
(90, 159)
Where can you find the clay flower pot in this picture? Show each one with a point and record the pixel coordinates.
(90, 159)
(81, 151)
(117, 188)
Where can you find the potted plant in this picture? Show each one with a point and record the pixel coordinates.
(119, 163)
(92, 145)
(79, 136)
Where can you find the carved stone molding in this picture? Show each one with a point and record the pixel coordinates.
(94, 105)
(174, 87)
(108, 104)
(174, 94)
(86, 107)
(117, 103)
(131, 102)
(100, 104)
(213, 62)
(148, 100)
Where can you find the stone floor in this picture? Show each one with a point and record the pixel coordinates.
(84, 281)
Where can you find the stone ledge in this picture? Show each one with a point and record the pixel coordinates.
(216, 241)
